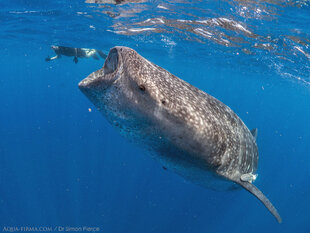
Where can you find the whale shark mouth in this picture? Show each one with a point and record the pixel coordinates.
(111, 62)
(103, 78)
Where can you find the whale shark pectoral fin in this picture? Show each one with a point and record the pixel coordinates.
(260, 196)
(254, 133)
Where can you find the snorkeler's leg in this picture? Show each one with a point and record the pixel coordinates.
(95, 57)
(90, 52)
(102, 54)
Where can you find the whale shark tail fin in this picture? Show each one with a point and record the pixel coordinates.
(260, 196)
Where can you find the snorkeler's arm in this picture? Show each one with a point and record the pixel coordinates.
(52, 58)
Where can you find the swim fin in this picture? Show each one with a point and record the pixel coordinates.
(102, 54)
(95, 57)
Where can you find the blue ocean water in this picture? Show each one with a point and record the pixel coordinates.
(62, 164)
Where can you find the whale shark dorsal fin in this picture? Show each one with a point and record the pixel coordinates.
(254, 133)
(260, 196)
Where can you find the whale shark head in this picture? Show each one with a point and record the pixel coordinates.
(102, 79)
(122, 89)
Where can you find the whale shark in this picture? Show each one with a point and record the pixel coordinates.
(187, 130)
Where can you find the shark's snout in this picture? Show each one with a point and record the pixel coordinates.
(103, 78)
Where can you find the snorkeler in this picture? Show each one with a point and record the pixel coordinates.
(75, 52)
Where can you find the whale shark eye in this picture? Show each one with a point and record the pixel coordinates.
(142, 87)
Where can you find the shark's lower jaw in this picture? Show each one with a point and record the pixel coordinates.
(102, 79)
